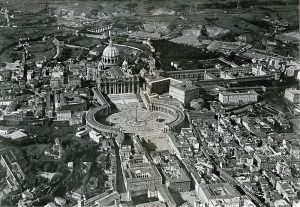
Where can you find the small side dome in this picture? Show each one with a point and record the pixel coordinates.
(125, 63)
(100, 65)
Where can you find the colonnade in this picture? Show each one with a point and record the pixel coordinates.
(119, 87)
(101, 29)
(164, 110)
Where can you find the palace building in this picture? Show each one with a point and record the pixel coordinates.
(184, 92)
(219, 194)
(141, 176)
(234, 98)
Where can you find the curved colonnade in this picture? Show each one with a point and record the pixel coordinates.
(178, 115)
(92, 123)
(152, 105)
(155, 105)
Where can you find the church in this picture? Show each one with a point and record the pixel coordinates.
(110, 77)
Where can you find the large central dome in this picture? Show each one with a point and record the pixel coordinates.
(110, 55)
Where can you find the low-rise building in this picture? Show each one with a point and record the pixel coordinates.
(293, 95)
(234, 98)
(173, 174)
(15, 174)
(5, 130)
(285, 188)
(56, 82)
(95, 136)
(225, 47)
(64, 115)
(164, 195)
(152, 204)
(176, 178)
(219, 194)
(141, 176)
(281, 203)
(55, 151)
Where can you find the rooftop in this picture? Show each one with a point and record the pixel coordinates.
(141, 171)
(219, 191)
(175, 174)
(115, 72)
(241, 93)
(185, 87)
(293, 90)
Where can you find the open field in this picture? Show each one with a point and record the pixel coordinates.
(34, 21)
(102, 9)
(29, 5)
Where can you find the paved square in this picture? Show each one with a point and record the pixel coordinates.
(123, 98)
(149, 125)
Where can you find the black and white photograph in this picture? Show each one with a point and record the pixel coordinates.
(149, 103)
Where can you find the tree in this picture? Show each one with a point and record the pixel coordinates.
(50, 167)
(94, 12)
(131, 6)
(148, 145)
(102, 178)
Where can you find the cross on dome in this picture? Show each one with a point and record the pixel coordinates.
(110, 43)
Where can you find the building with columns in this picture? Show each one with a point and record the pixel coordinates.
(110, 77)
(112, 85)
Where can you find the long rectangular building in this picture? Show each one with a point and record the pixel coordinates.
(234, 98)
